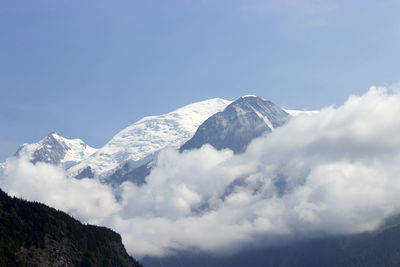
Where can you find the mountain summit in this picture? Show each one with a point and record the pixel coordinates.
(56, 150)
(240, 122)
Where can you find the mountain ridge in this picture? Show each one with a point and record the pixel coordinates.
(128, 154)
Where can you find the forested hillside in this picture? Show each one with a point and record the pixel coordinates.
(32, 234)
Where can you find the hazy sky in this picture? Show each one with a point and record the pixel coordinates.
(87, 69)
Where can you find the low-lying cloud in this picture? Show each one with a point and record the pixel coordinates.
(86, 199)
(335, 172)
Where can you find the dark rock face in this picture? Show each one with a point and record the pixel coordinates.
(32, 234)
(242, 121)
(53, 253)
(85, 173)
(135, 175)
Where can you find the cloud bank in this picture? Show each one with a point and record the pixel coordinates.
(335, 172)
(86, 199)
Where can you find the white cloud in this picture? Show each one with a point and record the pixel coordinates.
(86, 199)
(331, 173)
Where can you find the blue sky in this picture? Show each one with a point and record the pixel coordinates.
(87, 69)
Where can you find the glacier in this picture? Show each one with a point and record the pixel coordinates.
(140, 142)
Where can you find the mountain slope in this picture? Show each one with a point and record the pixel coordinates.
(32, 234)
(56, 150)
(234, 127)
(240, 122)
(140, 142)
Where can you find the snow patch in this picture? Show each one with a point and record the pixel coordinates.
(246, 96)
(264, 118)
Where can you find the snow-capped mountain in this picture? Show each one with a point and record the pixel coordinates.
(129, 155)
(240, 122)
(140, 142)
(56, 150)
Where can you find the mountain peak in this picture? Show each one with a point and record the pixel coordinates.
(53, 134)
(57, 150)
(240, 122)
(52, 137)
